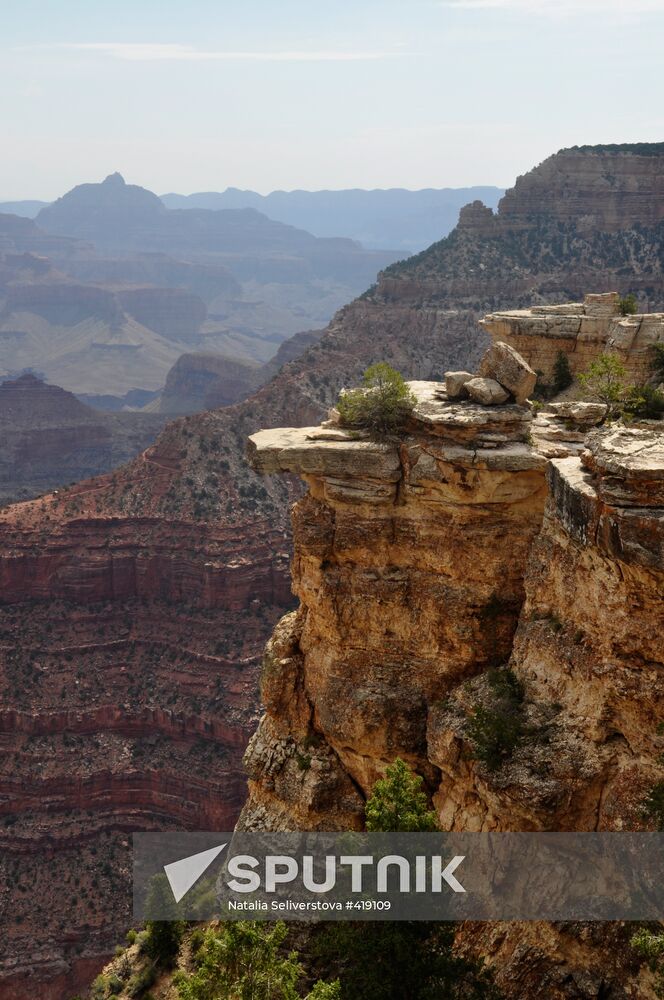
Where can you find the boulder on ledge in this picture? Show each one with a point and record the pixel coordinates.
(584, 414)
(502, 363)
(455, 384)
(487, 391)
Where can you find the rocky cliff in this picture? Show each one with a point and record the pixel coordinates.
(421, 566)
(581, 331)
(131, 622)
(396, 607)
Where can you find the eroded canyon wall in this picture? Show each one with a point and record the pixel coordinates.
(409, 564)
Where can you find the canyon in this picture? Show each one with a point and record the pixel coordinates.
(156, 586)
(108, 288)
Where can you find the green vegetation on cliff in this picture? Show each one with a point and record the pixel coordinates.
(248, 961)
(387, 960)
(381, 406)
(398, 804)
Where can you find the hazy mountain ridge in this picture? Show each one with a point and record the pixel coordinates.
(120, 286)
(398, 218)
(393, 217)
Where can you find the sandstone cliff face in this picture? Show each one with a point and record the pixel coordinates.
(581, 331)
(396, 604)
(414, 561)
(616, 187)
(587, 650)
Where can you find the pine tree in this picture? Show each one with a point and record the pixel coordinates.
(562, 375)
(397, 803)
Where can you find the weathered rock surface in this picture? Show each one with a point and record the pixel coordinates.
(391, 607)
(409, 595)
(581, 331)
(502, 363)
(580, 413)
(455, 384)
(487, 391)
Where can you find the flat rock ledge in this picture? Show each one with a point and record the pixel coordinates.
(613, 494)
(358, 469)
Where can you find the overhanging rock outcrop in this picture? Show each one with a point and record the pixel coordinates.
(409, 563)
(412, 560)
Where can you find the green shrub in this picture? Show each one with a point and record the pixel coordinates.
(115, 983)
(658, 362)
(131, 936)
(645, 401)
(653, 805)
(196, 940)
(398, 804)
(562, 373)
(497, 730)
(141, 982)
(162, 937)
(325, 991)
(393, 960)
(651, 947)
(605, 381)
(247, 959)
(99, 988)
(628, 304)
(383, 404)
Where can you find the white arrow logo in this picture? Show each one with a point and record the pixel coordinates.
(182, 874)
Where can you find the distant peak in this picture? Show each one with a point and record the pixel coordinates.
(116, 179)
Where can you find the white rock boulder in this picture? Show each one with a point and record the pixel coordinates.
(455, 384)
(487, 391)
(502, 363)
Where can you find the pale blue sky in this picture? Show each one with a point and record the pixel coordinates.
(297, 93)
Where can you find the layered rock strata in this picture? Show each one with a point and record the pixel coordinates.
(541, 246)
(129, 645)
(581, 331)
(409, 563)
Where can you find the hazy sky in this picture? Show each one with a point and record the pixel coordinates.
(271, 94)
